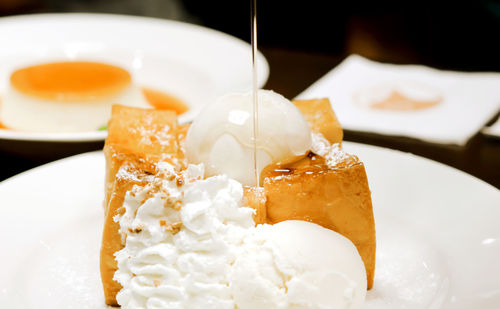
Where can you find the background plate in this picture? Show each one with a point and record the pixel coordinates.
(438, 239)
(194, 63)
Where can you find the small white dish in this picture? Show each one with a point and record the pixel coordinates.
(194, 63)
(438, 239)
(444, 107)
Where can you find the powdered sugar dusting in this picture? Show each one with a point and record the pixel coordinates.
(320, 145)
(336, 155)
(333, 154)
(161, 135)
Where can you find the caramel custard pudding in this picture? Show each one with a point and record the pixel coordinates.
(67, 82)
(74, 96)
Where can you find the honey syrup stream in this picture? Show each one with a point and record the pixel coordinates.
(255, 90)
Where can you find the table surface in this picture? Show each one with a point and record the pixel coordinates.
(292, 72)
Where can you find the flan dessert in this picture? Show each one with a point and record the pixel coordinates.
(74, 96)
(68, 96)
(179, 234)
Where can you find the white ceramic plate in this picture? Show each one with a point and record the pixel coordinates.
(438, 234)
(194, 63)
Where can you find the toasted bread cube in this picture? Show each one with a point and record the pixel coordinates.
(137, 139)
(320, 116)
(140, 133)
(255, 198)
(182, 131)
(111, 238)
(337, 198)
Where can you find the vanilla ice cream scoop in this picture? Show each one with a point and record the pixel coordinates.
(298, 264)
(221, 137)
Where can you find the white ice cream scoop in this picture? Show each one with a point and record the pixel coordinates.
(298, 264)
(221, 136)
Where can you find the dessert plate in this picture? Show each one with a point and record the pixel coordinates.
(194, 63)
(437, 234)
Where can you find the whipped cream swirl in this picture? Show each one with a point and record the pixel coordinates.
(181, 257)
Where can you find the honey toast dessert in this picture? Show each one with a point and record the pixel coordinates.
(326, 186)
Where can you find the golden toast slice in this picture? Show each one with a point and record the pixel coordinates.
(256, 198)
(321, 118)
(137, 140)
(334, 196)
(331, 191)
(111, 239)
(139, 133)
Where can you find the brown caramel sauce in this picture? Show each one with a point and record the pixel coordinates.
(309, 163)
(162, 100)
(399, 102)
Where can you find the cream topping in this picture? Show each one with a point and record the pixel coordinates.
(180, 257)
(190, 243)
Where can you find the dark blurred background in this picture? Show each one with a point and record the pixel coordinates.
(459, 35)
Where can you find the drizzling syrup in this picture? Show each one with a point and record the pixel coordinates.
(255, 89)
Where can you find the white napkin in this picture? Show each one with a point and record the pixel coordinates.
(464, 102)
(493, 130)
